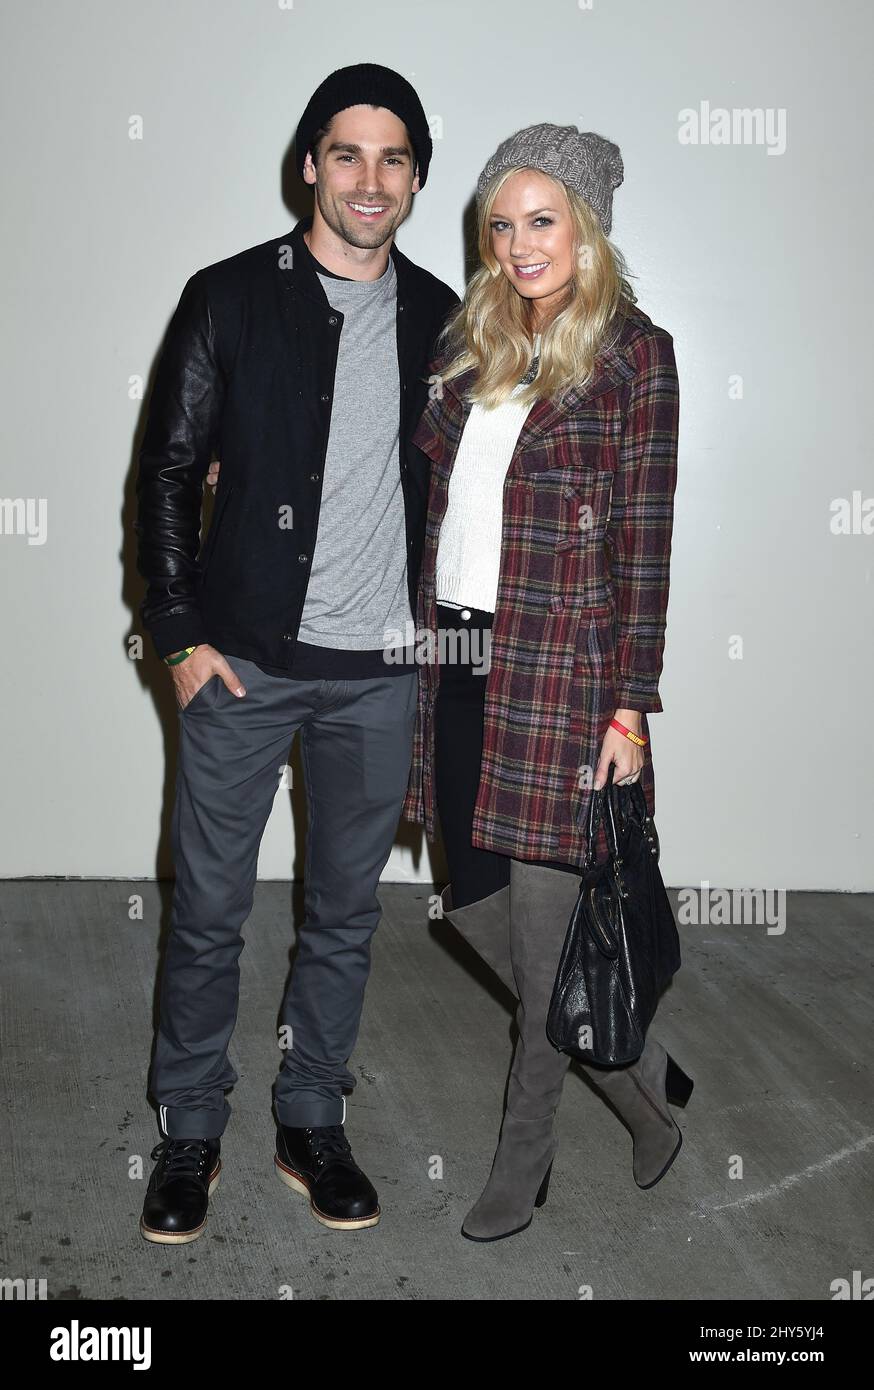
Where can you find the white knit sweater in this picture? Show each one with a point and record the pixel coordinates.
(469, 546)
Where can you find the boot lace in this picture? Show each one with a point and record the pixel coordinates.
(328, 1141)
(183, 1157)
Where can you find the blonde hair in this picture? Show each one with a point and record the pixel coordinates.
(492, 328)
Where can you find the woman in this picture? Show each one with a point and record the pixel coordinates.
(552, 434)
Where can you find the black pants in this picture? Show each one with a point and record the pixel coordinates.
(458, 745)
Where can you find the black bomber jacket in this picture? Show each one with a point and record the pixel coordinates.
(246, 374)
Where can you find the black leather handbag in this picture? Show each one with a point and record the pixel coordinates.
(622, 946)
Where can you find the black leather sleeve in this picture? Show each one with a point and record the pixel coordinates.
(181, 429)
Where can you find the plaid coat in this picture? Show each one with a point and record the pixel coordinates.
(579, 621)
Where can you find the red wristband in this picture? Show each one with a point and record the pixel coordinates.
(635, 738)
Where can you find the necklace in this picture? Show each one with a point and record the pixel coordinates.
(535, 364)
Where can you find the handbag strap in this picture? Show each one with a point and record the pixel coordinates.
(615, 805)
(597, 808)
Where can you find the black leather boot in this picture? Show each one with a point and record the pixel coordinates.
(182, 1181)
(318, 1163)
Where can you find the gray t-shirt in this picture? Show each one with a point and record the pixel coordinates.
(357, 589)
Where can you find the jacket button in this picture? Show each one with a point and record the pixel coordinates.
(332, 320)
(314, 477)
(324, 396)
(287, 637)
(303, 559)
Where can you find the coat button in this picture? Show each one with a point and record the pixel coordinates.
(314, 477)
(303, 559)
(324, 396)
(332, 320)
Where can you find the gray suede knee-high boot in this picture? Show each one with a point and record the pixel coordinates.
(640, 1093)
(485, 925)
(540, 905)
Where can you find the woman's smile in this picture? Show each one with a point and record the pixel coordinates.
(530, 272)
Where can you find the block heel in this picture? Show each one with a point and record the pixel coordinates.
(678, 1086)
(544, 1188)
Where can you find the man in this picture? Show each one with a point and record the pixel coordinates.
(302, 363)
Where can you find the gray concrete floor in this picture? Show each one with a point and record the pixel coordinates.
(775, 1030)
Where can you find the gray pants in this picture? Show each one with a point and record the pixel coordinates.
(356, 747)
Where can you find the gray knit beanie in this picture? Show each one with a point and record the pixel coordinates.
(587, 163)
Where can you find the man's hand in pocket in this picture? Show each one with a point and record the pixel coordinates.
(196, 670)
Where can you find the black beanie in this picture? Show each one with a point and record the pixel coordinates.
(358, 85)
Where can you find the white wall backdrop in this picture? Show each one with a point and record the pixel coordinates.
(753, 255)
